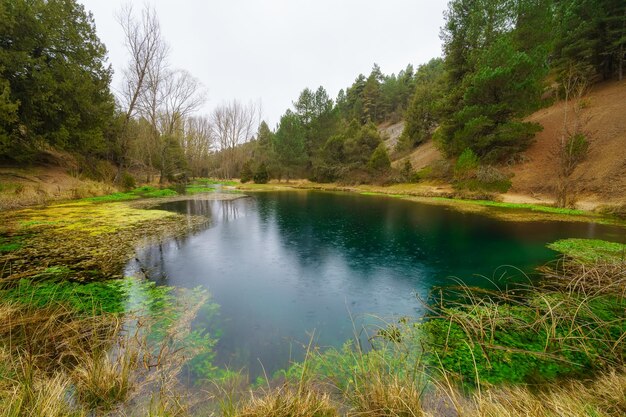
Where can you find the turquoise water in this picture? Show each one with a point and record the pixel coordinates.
(291, 266)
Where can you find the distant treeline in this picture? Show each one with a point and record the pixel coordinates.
(502, 59)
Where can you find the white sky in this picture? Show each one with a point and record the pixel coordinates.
(272, 49)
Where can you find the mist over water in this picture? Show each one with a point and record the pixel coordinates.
(285, 267)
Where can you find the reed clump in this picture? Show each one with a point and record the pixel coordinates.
(288, 402)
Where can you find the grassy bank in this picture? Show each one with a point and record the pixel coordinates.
(75, 338)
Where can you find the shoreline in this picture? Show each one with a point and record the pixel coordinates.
(88, 241)
(513, 207)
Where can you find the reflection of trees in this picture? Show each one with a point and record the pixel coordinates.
(229, 210)
(151, 260)
(369, 233)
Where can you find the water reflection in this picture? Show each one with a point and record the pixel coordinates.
(282, 265)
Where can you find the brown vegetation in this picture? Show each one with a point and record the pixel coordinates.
(601, 177)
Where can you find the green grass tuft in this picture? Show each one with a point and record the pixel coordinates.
(591, 250)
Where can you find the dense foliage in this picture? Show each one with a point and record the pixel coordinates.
(54, 80)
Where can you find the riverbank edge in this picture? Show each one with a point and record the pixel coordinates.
(442, 196)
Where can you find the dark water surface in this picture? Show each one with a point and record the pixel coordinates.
(282, 265)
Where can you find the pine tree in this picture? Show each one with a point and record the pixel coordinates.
(289, 146)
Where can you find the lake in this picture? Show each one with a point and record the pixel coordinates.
(288, 266)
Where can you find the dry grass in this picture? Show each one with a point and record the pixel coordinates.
(24, 194)
(56, 362)
(387, 395)
(288, 402)
(604, 396)
(39, 397)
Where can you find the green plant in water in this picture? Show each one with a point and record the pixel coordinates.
(51, 287)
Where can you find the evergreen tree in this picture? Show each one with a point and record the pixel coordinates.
(505, 88)
(58, 79)
(372, 96)
(423, 113)
(261, 175)
(289, 146)
(246, 173)
(379, 161)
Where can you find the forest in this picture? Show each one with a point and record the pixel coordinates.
(501, 61)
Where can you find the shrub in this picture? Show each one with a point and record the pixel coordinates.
(407, 171)
(261, 176)
(127, 181)
(379, 161)
(438, 170)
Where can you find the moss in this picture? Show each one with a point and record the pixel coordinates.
(87, 216)
(591, 250)
(198, 189)
(518, 344)
(140, 192)
(94, 238)
(96, 297)
(209, 181)
(166, 192)
(10, 247)
(113, 197)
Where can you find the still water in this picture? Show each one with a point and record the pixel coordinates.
(285, 267)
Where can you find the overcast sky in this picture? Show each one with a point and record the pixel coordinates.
(272, 49)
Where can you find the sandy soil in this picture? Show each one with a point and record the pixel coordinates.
(424, 155)
(601, 178)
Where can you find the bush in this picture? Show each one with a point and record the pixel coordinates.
(407, 171)
(438, 170)
(127, 181)
(466, 165)
(487, 178)
(261, 176)
(379, 161)
(325, 173)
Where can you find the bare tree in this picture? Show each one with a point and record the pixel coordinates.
(197, 143)
(573, 144)
(182, 94)
(233, 124)
(148, 54)
(147, 51)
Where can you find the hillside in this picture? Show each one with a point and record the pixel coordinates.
(601, 177)
(56, 178)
